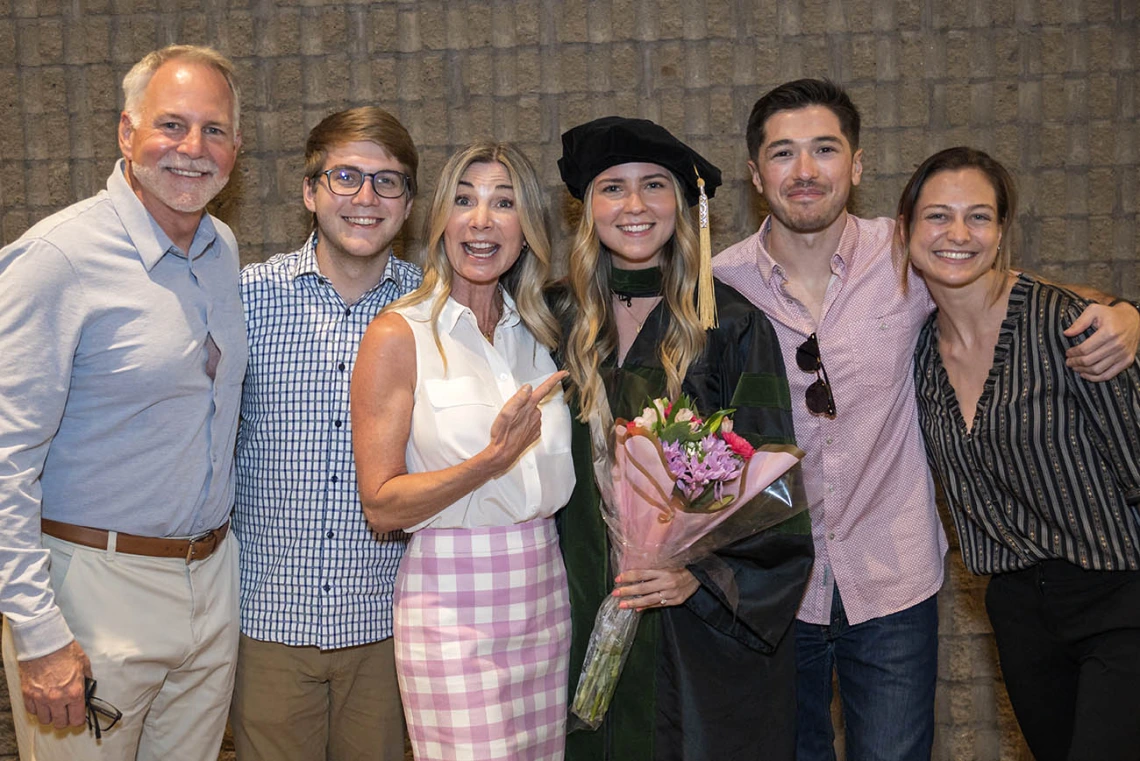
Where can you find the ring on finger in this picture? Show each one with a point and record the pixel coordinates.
(664, 599)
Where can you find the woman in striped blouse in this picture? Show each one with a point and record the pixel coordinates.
(1039, 467)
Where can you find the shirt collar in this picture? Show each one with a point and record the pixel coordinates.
(149, 239)
(841, 260)
(453, 312)
(307, 264)
(306, 261)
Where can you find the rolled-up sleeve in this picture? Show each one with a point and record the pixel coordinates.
(41, 316)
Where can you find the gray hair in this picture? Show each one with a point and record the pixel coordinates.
(137, 79)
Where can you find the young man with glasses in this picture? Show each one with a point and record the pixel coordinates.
(122, 352)
(316, 672)
(826, 280)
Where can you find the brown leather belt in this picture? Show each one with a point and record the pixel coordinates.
(198, 548)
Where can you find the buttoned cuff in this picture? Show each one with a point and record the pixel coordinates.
(40, 636)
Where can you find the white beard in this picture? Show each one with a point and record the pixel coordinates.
(165, 186)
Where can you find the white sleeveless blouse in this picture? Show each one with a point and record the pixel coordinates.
(453, 412)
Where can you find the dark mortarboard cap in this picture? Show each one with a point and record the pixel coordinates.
(591, 148)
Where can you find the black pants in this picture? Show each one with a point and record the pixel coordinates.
(1069, 643)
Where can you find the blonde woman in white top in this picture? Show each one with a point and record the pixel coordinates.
(461, 435)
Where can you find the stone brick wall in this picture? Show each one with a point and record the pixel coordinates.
(1049, 86)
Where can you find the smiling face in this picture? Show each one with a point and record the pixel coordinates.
(182, 148)
(805, 168)
(635, 212)
(362, 225)
(956, 232)
(483, 237)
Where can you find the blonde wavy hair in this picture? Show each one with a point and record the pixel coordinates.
(593, 332)
(525, 280)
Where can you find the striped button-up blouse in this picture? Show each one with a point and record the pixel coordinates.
(1049, 469)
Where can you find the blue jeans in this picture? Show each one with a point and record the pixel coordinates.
(887, 671)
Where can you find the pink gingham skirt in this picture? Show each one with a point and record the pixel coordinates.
(482, 628)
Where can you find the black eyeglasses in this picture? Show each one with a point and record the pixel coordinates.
(347, 181)
(101, 715)
(818, 396)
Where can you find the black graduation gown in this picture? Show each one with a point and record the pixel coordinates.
(702, 682)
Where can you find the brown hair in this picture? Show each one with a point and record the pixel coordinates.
(802, 93)
(365, 124)
(951, 160)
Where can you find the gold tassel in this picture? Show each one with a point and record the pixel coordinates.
(706, 297)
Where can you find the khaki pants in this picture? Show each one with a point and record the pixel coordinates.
(304, 704)
(162, 639)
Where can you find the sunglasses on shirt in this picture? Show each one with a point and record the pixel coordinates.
(818, 397)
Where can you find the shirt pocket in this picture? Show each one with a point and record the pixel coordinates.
(555, 436)
(463, 409)
(882, 352)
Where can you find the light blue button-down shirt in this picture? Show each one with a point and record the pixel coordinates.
(108, 416)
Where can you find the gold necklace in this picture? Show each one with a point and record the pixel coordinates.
(490, 334)
(627, 302)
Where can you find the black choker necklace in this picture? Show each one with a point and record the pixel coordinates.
(634, 284)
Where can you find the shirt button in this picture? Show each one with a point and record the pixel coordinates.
(337, 423)
(830, 489)
(827, 440)
(334, 479)
(340, 367)
(347, 311)
(830, 534)
(882, 326)
(327, 587)
(502, 376)
(330, 534)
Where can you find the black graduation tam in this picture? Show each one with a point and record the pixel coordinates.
(591, 148)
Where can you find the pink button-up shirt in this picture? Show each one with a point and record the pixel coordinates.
(876, 530)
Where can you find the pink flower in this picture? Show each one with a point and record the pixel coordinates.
(738, 444)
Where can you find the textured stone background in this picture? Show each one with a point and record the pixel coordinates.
(1049, 86)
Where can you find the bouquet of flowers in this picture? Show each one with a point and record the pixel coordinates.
(680, 488)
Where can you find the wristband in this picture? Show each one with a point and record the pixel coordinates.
(1134, 304)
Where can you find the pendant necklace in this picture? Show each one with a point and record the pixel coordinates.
(641, 314)
(490, 334)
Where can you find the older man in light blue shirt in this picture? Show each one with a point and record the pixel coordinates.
(122, 351)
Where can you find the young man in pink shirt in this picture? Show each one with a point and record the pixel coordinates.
(826, 280)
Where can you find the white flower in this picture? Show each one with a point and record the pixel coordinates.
(684, 415)
(726, 425)
(647, 419)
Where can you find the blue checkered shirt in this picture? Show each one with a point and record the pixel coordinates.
(312, 571)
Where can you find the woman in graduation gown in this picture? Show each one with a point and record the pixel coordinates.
(711, 673)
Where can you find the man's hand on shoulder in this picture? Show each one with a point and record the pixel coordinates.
(1109, 350)
(53, 686)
